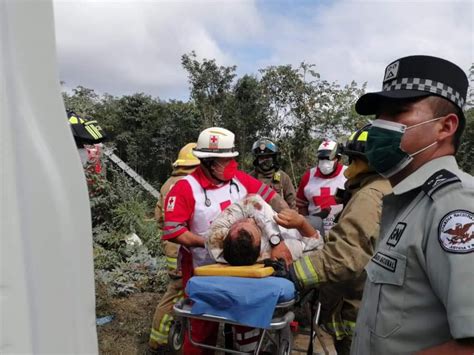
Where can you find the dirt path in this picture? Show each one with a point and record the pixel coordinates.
(128, 332)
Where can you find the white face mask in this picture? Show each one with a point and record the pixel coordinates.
(326, 166)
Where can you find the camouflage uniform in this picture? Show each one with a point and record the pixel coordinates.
(163, 313)
(349, 246)
(280, 182)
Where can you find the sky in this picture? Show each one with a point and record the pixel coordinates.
(123, 47)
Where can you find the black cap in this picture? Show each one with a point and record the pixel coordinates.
(417, 76)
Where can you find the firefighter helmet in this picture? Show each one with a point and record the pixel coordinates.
(186, 156)
(356, 143)
(215, 142)
(264, 146)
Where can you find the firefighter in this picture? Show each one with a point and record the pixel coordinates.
(337, 270)
(318, 186)
(267, 169)
(194, 202)
(163, 317)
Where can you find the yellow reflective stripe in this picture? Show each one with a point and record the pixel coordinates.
(159, 338)
(363, 136)
(341, 330)
(299, 271)
(172, 263)
(91, 131)
(311, 268)
(305, 272)
(352, 136)
(94, 129)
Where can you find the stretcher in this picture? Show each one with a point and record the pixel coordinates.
(219, 299)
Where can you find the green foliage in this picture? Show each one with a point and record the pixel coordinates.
(292, 105)
(465, 155)
(120, 207)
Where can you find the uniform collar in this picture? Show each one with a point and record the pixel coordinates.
(419, 177)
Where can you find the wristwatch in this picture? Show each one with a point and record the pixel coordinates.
(275, 240)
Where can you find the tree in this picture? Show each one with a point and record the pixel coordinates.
(210, 86)
(306, 109)
(83, 101)
(465, 155)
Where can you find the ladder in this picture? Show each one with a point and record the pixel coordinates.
(130, 172)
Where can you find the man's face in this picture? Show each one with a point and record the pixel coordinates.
(409, 115)
(219, 166)
(250, 226)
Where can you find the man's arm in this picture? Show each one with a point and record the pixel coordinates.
(348, 246)
(289, 218)
(188, 239)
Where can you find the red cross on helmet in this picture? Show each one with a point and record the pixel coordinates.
(328, 149)
(215, 142)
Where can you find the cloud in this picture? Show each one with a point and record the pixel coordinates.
(122, 47)
(125, 47)
(357, 39)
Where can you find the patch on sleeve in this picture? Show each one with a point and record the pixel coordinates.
(456, 232)
(438, 180)
(171, 203)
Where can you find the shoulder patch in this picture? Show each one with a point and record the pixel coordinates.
(171, 204)
(439, 180)
(456, 232)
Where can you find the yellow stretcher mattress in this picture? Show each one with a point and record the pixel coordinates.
(254, 271)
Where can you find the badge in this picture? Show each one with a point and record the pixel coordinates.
(456, 232)
(391, 72)
(171, 203)
(396, 234)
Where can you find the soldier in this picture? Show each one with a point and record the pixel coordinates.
(318, 186)
(349, 246)
(418, 294)
(163, 317)
(267, 170)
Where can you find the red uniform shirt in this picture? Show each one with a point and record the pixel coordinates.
(180, 203)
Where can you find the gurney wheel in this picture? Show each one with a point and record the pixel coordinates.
(176, 335)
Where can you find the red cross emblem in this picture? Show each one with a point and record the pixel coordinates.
(325, 199)
(213, 142)
(326, 144)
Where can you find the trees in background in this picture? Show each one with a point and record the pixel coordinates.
(292, 105)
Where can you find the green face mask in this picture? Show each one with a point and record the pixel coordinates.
(383, 147)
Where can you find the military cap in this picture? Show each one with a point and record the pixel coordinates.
(416, 77)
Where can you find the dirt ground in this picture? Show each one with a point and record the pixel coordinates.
(129, 331)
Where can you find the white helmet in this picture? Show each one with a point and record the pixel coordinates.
(328, 149)
(215, 142)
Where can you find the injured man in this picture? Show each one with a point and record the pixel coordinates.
(244, 232)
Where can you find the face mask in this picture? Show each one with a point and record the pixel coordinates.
(326, 166)
(383, 147)
(265, 164)
(228, 172)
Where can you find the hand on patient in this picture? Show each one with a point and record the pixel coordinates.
(289, 218)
